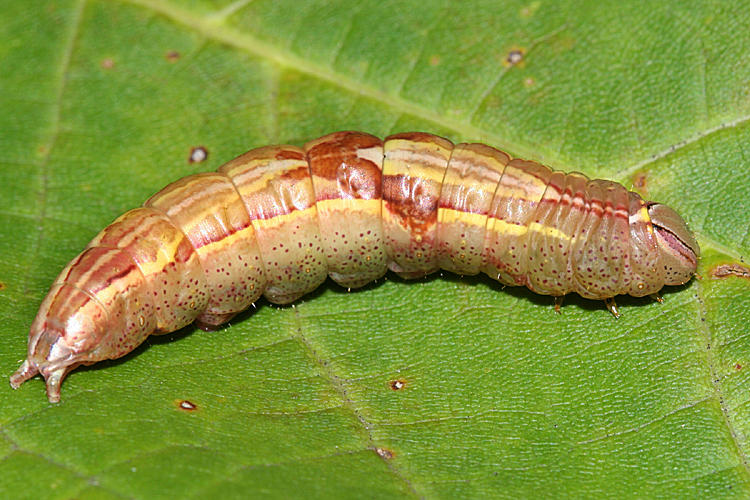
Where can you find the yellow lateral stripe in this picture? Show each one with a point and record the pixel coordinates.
(367, 206)
(165, 255)
(549, 231)
(451, 216)
(502, 227)
(280, 220)
(227, 240)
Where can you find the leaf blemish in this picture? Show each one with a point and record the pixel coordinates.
(384, 453)
(186, 405)
(738, 366)
(2, 286)
(172, 56)
(514, 57)
(107, 63)
(397, 384)
(640, 182)
(198, 154)
(727, 270)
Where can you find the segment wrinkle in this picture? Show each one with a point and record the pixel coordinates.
(261, 261)
(185, 236)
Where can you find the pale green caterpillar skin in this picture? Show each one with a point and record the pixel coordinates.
(277, 221)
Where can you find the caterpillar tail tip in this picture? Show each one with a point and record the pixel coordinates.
(53, 381)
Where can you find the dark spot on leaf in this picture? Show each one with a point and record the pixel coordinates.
(738, 366)
(107, 63)
(198, 154)
(726, 270)
(186, 405)
(2, 286)
(172, 56)
(384, 453)
(640, 182)
(397, 384)
(514, 57)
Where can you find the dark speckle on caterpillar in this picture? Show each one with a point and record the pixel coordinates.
(278, 220)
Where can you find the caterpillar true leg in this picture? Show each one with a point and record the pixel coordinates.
(558, 303)
(612, 306)
(657, 297)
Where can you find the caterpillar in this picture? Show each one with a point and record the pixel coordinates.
(278, 220)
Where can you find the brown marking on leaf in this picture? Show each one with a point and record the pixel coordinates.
(384, 453)
(2, 286)
(640, 182)
(529, 82)
(726, 270)
(515, 57)
(198, 154)
(397, 384)
(434, 60)
(185, 405)
(172, 56)
(738, 366)
(107, 63)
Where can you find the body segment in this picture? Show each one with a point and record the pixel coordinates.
(278, 220)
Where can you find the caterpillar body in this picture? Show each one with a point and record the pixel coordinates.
(278, 220)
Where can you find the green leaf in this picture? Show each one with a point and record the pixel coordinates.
(436, 388)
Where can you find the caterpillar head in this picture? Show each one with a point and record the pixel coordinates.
(65, 334)
(678, 249)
